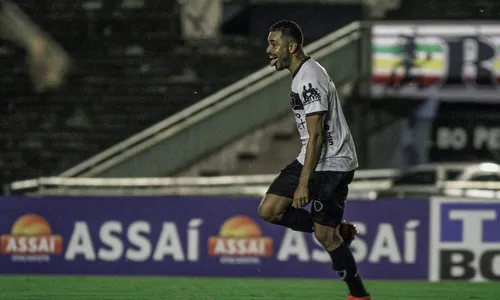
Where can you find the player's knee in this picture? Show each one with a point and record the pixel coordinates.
(321, 235)
(268, 212)
(327, 236)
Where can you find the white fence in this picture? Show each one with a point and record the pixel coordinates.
(364, 185)
(367, 184)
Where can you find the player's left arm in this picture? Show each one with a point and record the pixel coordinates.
(314, 96)
(314, 146)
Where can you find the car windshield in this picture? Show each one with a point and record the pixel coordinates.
(486, 177)
(453, 174)
(417, 177)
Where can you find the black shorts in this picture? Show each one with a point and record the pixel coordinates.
(327, 191)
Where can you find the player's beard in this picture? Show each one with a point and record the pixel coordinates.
(283, 62)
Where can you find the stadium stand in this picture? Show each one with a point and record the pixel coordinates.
(229, 122)
(131, 71)
(445, 10)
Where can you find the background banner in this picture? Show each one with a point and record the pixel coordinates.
(199, 236)
(465, 243)
(450, 61)
(466, 132)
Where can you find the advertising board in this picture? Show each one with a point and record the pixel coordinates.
(465, 240)
(200, 236)
(445, 61)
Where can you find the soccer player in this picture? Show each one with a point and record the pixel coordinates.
(48, 62)
(325, 166)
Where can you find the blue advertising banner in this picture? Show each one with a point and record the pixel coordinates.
(465, 243)
(200, 236)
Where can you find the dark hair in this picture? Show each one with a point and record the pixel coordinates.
(289, 29)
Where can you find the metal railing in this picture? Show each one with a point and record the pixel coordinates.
(477, 189)
(367, 184)
(363, 185)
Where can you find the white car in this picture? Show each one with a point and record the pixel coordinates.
(433, 178)
(481, 180)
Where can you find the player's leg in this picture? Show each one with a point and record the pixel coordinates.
(276, 206)
(328, 195)
(278, 210)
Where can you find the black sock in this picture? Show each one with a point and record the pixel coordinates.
(297, 219)
(344, 264)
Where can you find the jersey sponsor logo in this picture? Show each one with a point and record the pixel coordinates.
(329, 137)
(301, 123)
(240, 241)
(31, 240)
(295, 102)
(465, 244)
(310, 94)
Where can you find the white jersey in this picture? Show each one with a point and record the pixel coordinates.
(313, 92)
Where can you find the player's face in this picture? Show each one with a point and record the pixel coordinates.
(278, 50)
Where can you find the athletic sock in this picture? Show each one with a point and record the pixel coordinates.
(344, 264)
(297, 219)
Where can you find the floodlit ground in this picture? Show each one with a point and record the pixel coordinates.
(173, 288)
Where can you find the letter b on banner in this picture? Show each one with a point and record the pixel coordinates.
(465, 240)
(451, 138)
(459, 264)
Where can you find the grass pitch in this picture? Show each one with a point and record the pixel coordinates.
(174, 288)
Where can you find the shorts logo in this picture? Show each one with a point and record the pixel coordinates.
(240, 241)
(318, 206)
(466, 240)
(30, 240)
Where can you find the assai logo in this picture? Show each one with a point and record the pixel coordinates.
(240, 241)
(465, 242)
(31, 239)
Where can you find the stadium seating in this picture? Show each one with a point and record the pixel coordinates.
(131, 70)
(445, 10)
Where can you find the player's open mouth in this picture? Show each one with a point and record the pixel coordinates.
(274, 60)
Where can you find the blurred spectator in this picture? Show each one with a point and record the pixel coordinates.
(48, 62)
(200, 20)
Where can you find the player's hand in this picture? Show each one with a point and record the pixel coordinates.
(48, 65)
(301, 196)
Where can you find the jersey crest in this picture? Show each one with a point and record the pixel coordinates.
(295, 102)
